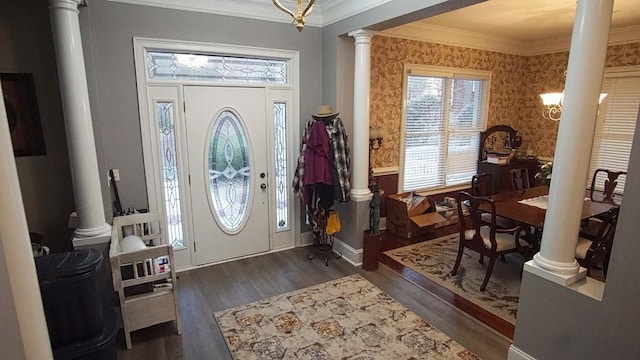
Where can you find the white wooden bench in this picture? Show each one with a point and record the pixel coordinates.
(140, 267)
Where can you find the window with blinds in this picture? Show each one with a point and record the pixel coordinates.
(445, 111)
(615, 126)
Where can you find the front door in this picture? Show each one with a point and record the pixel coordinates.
(226, 143)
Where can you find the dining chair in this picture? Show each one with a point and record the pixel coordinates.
(609, 185)
(519, 178)
(594, 252)
(482, 186)
(484, 237)
(589, 227)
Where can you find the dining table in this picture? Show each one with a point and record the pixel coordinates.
(528, 206)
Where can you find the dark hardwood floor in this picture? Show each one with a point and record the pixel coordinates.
(209, 289)
(392, 241)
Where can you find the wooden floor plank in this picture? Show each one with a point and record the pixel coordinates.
(206, 290)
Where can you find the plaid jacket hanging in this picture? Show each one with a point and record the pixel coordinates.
(342, 162)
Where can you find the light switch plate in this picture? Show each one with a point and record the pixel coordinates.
(116, 175)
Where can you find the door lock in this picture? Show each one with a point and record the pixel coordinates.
(263, 186)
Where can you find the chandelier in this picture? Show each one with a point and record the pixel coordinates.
(553, 105)
(298, 18)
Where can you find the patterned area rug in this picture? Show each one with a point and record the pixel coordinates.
(435, 259)
(345, 319)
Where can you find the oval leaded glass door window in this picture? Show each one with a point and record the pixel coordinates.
(228, 168)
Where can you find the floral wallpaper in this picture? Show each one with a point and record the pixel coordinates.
(514, 98)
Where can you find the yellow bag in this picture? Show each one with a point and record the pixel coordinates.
(333, 222)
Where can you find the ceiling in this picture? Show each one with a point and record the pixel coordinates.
(529, 19)
(524, 27)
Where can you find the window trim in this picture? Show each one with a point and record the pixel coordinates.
(449, 72)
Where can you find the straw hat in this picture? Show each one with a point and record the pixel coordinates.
(325, 111)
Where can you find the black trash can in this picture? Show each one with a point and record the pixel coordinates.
(71, 295)
(100, 347)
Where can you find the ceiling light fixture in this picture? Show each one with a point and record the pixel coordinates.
(298, 18)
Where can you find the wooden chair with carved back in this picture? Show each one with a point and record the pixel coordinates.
(482, 186)
(519, 178)
(485, 237)
(609, 185)
(607, 180)
(594, 252)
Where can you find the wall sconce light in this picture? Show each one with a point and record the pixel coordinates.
(298, 17)
(375, 141)
(553, 103)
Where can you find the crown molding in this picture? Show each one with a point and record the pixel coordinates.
(322, 15)
(624, 35)
(336, 10)
(461, 38)
(617, 36)
(454, 37)
(250, 9)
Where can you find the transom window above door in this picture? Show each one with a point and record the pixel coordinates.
(445, 110)
(177, 66)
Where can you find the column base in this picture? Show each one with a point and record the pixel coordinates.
(555, 266)
(564, 279)
(90, 242)
(361, 195)
(93, 236)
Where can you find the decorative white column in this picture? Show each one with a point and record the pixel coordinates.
(556, 259)
(361, 85)
(24, 333)
(75, 100)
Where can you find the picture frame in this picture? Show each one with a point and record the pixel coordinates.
(22, 113)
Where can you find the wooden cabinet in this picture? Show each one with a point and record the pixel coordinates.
(500, 172)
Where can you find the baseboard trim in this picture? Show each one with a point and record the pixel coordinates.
(353, 256)
(517, 354)
(306, 238)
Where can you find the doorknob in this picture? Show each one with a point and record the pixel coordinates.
(263, 186)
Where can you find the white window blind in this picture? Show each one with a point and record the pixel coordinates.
(444, 115)
(615, 127)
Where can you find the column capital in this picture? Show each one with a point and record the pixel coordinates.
(71, 5)
(362, 35)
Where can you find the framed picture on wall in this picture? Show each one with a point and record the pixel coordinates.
(22, 112)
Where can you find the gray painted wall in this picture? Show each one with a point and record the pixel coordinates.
(26, 46)
(108, 29)
(547, 313)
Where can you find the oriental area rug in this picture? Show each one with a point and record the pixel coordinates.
(434, 259)
(344, 319)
